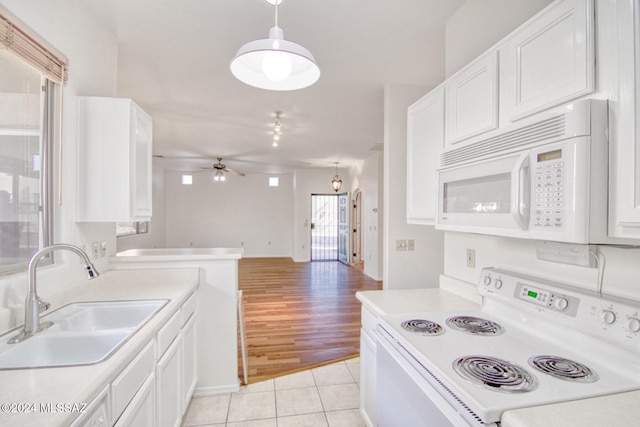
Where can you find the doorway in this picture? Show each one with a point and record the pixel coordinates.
(329, 227)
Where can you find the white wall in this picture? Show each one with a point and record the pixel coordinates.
(240, 212)
(92, 53)
(404, 269)
(367, 181)
(467, 36)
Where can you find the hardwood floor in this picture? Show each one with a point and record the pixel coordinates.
(299, 315)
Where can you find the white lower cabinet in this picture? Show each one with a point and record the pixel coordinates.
(142, 408)
(168, 383)
(189, 361)
(155, 388)
(368, 346)
(125, 386)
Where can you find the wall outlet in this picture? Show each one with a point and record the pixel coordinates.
(471, 258)
(95, 251)
(411, 245)
(401, 245)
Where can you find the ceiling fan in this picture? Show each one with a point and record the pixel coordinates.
(219, 168)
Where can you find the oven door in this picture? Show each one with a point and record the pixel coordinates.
(404, 397)
(488, 197)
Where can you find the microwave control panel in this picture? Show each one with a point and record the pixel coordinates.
(548, 190)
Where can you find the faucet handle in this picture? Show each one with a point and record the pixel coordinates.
(42, 305)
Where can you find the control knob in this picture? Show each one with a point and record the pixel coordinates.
(487, 280)
(608, 317)
(497, 284)
(561, 303)
(633, 324)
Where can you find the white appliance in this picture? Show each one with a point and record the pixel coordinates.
(533, 342)
(543, 178)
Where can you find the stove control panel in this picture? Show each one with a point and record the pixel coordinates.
(554, 301)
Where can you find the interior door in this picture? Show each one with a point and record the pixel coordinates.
(343, 228)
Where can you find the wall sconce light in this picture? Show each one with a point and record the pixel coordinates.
(336, 182)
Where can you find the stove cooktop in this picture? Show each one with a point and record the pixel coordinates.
(517, 385)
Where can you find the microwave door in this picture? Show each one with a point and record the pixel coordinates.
(488, 197)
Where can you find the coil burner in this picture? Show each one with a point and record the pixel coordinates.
(474, 325)
(496, 374)
(564, 369)
(421, 326)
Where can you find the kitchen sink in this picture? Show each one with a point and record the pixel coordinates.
(82, 333)
(91, 316)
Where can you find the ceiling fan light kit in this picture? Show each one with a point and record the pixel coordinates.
(275, 63)
(220, 168)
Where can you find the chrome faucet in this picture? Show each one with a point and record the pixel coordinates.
(33, 304)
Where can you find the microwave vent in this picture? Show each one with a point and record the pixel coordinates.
(543, 131)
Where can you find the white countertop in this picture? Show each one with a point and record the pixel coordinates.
(620, 410)
(413, 301)
(77, 385)
(177, 254)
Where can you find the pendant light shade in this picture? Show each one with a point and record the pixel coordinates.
(275, 63)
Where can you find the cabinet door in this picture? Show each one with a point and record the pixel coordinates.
(142, 173)
(624, 175)
(367, 378)
(189, 373)
(141, 410)
(472, 99)
(548, 61)
(168, 383)
(425, 137)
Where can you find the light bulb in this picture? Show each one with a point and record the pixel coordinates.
(276, 65)
(223, 178)
(274, 144)
(276, 137)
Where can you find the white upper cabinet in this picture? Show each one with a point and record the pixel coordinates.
(624, 174)
(472, 99)
(425, 137)
(115, 151)
(548, 61)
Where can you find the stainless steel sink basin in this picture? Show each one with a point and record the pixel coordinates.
(83, 333)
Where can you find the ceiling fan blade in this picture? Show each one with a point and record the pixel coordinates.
(234, 171)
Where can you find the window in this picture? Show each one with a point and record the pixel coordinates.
(187, 179)
(32, 75)
(273, 181)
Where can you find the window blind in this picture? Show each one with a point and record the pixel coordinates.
(17, 38)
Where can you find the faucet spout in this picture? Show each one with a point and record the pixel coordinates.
(33, 304)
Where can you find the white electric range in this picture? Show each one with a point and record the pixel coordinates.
(533, 342)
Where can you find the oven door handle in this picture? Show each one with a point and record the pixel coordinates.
(520, 191)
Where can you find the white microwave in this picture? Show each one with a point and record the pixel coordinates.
(543, 178)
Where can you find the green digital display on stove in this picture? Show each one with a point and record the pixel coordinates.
(532, 294)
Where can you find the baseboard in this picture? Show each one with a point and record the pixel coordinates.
(221, 389)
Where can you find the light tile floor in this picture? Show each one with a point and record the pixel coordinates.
(327, 396)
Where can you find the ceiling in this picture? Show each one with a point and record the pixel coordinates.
(174, 62)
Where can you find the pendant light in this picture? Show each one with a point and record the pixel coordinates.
(336, 182)
(275, 63)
